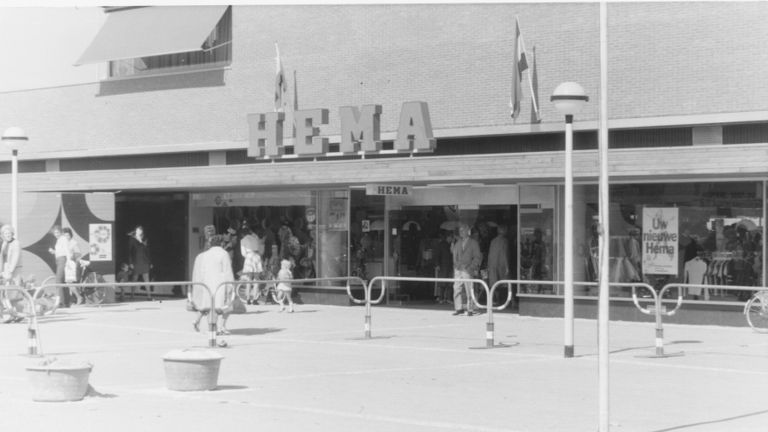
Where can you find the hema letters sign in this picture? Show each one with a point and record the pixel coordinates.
(360, 131)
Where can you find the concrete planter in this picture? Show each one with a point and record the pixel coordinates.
(54, 380)
(192, 369)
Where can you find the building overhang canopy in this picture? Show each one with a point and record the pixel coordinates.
(152, 31)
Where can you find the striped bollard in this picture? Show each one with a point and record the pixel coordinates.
(489, 335)
(660, 342)
(31, 341)
(212, 334)
(367, 326)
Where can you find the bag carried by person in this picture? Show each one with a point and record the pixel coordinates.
(70, 271)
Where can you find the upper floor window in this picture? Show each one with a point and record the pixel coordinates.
(162, 39)
(215, 51)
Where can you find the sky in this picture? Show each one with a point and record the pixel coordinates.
(41, 45)
(41, 40)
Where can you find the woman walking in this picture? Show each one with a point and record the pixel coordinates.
(212, 267)
(60, 251)
(139, 259)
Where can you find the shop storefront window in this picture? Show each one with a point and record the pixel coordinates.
(332, 233)
(537, 238)
(367, 235)
(308, 228)
(696, 233)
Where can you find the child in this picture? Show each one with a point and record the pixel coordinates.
(124, 275)
(284, 287)
(252, 270)
(271, 269)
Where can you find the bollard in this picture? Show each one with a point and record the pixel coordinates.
(489, 335)
(368, 326)
(31, 341)
(212, 334)
(659, 341)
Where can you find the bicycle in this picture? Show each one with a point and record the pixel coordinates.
(13, 308)
(265, 288)
(756, 311)
(92, 294)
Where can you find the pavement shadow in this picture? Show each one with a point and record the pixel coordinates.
(722, 420)
(230, 387)
(92, 392)
(58, 318)
(372, 337)
(254, 331)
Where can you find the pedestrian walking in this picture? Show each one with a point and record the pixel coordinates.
(466, 264)
(212, 267)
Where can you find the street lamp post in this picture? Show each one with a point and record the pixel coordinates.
(14, 136)
(569, 98)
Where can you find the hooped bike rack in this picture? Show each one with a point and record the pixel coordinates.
(632, 285)
(489, 306)
(34, 347)
(211, 327)
(680, 286)
(293, 282)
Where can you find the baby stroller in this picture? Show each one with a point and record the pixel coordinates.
(91, 294)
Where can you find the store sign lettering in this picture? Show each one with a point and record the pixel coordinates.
(378, 189)
(360, 131)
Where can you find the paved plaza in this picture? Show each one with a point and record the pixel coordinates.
(422, 370)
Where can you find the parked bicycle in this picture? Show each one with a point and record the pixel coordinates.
(253, 288)
(91, 294)
(756, 310)
(14, 307)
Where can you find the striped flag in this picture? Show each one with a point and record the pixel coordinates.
(520, 64)
(295, 93)
(281, 86)
(295, 104)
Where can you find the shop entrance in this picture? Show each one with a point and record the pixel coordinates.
(416, 230)
(164, 219)
(420, 238)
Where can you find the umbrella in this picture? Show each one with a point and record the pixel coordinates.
(748, 224)
(450, 225)
(407, 226)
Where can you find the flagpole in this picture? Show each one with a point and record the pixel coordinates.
(530, 83)
(603, 309)
(295, 103)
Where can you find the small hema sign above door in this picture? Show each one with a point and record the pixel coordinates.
(382, 189)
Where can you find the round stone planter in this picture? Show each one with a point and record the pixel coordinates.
(53, 380)
(192, 369)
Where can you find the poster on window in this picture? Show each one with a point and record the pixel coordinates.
(660, 225)
(100, 242)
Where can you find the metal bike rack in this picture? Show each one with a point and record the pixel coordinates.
(211, 326)
(293, 282)
(34, 347)
(489, 306)
(633, 285)
(660, 311)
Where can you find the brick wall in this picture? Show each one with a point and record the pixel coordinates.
(665, 59)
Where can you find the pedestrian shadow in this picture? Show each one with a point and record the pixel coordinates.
(254, 331)
(722, 420)
(250, 312)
